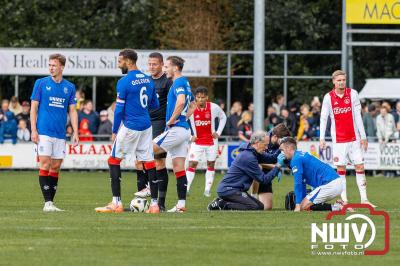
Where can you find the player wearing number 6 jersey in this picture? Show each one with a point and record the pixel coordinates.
(135, 96)
(343, 107)
(205, 137)
(175, 140)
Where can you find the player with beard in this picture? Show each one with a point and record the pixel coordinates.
(135, 96)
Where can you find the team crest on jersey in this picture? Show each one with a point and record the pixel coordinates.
(207, 115)
(347, 101)
(48, 88)
(65, 90)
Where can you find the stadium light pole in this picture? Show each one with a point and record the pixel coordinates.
(344, 37)
(259, 64)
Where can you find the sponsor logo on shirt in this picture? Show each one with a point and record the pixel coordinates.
(56, 102)
(343, 110)
(179, 89)
(140, 75)
(200, 123)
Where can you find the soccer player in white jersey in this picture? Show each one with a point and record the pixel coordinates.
(175, 140)
(52, 98)
(343, 107)
(205, 137)
(135, 97)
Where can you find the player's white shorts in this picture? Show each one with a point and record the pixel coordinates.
(326, 192)
(348, 152)
(175, 141)
(197, 151)
(53, 147)
(133, 142)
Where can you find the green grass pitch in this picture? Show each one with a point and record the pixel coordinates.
(79, 236)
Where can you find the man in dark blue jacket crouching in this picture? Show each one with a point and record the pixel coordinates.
(232, 190)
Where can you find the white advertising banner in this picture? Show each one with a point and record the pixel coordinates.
(377, 157)
(94, 156)
(87, 62)
(85, 156)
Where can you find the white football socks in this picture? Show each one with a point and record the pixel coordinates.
(190, 172)
(209, 179)
(116, 200)
(362, 185)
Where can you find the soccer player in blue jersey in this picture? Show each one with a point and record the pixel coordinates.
(52, 98)
(175, 140)
(308, 170)
(132, 131)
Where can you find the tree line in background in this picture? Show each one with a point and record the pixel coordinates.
(195, 25)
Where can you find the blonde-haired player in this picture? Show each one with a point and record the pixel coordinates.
(343, 107)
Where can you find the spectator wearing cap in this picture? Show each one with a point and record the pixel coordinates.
(25, 114)
(15, 107)
(369, 121)
(105, 127)
(92, 117)
(386, 128)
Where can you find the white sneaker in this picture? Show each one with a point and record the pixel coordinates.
(144, 193)
(177, 209)
(50, 207)
(369, 203)
(207, 193)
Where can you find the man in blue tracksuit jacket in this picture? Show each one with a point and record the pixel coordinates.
(232, 190)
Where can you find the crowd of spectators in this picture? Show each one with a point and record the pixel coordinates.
(15, 125)
(381, 121)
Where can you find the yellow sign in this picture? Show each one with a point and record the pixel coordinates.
(5, 161)
(373, 11)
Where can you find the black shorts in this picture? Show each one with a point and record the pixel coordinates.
(265, 188)
(158, 127)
